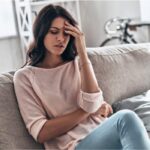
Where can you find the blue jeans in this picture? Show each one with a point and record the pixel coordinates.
(123, 130)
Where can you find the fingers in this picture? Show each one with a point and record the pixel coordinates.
(106, 110)
(71, 33)
(110, 110)
(73, 30)
(71, 27)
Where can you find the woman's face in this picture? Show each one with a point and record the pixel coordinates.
(56, 40)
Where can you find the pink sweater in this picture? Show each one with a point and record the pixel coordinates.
(44, 94)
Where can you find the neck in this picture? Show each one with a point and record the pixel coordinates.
(51, 61)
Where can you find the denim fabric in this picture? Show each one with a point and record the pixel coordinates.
(123, 130)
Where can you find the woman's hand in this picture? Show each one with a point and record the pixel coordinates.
(78, 35)
(105, 110)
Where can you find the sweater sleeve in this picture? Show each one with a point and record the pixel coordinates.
(30, 106)
(90, 102)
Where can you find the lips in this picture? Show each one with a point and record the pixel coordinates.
(59, 45)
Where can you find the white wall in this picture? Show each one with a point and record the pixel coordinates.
(93, 16)
(10, 48)
(144, 7)
(95, 13)
(10, 54)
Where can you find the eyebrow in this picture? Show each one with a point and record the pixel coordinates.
(56, 28)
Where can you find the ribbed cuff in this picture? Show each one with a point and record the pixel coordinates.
(90, 102)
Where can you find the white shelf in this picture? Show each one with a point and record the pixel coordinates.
(45, 2)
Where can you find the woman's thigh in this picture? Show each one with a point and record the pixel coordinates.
(116, 133)
(105, 136)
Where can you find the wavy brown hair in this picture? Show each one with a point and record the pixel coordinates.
(42, 23)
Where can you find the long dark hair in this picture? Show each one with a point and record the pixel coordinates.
(42, 23)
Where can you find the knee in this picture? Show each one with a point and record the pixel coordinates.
(126, 112)
(128, 116)
(128, 120)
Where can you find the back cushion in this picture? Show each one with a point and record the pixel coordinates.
(122, 71)
(13, 133)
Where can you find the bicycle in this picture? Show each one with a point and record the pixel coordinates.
(121, 34)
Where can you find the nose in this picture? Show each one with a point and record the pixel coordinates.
(61, 37)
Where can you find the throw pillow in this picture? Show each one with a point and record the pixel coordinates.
(140, 104)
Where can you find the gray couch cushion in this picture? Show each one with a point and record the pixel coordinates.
(13, 134)
(140, 104)
(122, 71)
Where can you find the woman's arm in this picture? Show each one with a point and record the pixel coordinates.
(60, 125)
(88, 80)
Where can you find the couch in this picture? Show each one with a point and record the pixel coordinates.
(122, 71)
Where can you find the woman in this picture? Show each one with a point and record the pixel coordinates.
(59, 97)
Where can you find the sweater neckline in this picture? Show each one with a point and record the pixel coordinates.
(58, 67)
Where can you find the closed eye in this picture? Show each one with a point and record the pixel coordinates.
(54, 31)
(57, 31)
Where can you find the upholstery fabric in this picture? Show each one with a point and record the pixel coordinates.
(13, 134)
(122, 71)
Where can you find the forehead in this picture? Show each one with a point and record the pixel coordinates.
(58, 22)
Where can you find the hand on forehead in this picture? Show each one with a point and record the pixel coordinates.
(59, 23)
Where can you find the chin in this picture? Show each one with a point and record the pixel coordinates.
(59, 53)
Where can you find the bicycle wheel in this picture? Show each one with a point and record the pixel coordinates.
(111, 41)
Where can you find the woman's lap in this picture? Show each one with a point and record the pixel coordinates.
(123, 130)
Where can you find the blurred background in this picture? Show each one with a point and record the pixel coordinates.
(17, 17)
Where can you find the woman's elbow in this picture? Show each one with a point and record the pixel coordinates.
(43, 136)
(40, 138)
